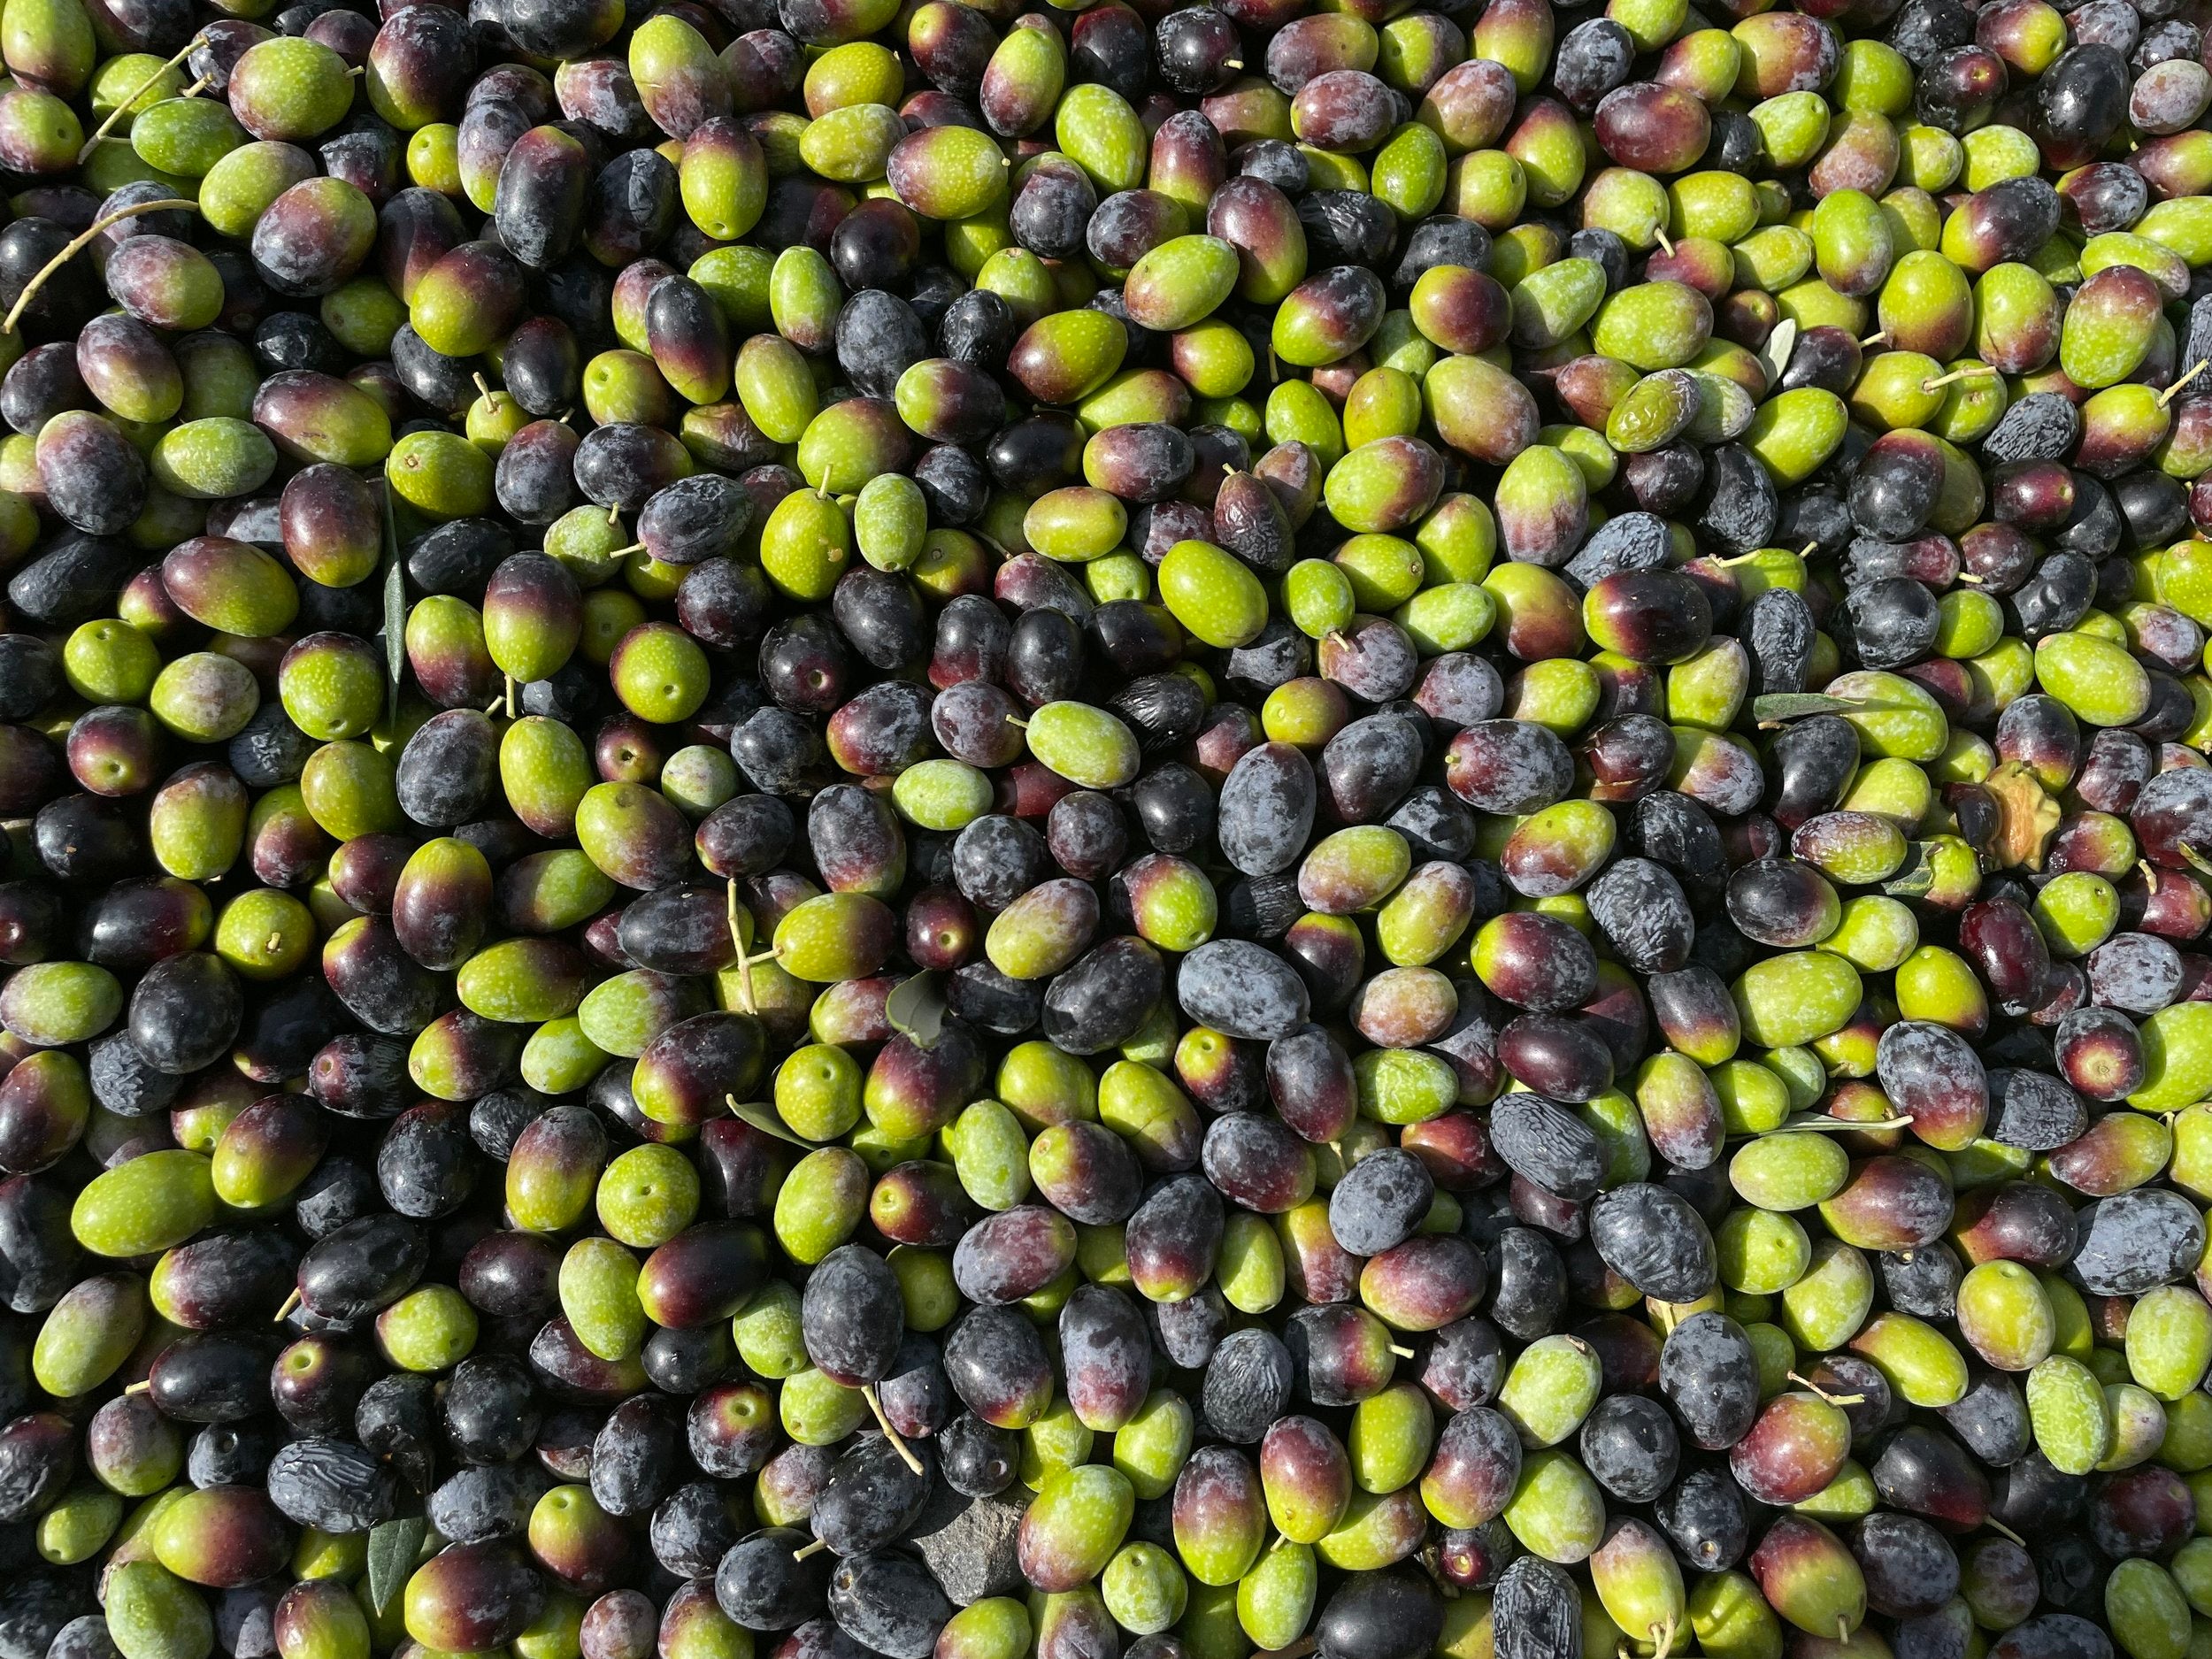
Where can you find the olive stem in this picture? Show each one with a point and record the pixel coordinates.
(744, 967)
(1880, 337)
(625, 552)
(1402, 1353)
(1833, 1400)
(139, 1388)
(1823, 1125)
(737, 937)
(510, 695)
(614, 513)
(2150, 874)
(290, 1302)
(197, 87)
(2174, 391)
(1665, 246)
(1663, 1633)
(78, 243)
(905, 1452)
(815, 1549)
(1979, 370)
(1998, 1526)
(1016, 719)
(137, 92)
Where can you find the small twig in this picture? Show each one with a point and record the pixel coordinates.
(1976, 371)
(2173, 391)
(77, 244)
(744, 966)
(1833, 1400)
(137, 92)
(905, 1452)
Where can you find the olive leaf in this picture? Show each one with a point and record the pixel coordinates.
(1796, 705)
(765, 1121)
(393, 1547)
(1774, 351)
(395, 603)
(916, 1007)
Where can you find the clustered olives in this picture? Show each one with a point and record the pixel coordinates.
(889, 829)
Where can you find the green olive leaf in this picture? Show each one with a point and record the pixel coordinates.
(395, 604)
(765, 1119)
(1796, 705)
(916, 1007)
(393, 1547)
(1774, 351)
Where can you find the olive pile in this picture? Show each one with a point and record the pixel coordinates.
(836, 829)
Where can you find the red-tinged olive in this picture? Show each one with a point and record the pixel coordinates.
(44, 1105)
(472, 1596)
(1651, 127)
(704, 1274)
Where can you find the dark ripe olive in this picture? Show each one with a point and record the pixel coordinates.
(1896, 485)
(1956, 92)
(363, 1267)
(1037, 455)
(427, 1166)
(2080, 101)
(1346, 226)
(184, 1012)
(1823, 357)
(64, 304)
(2102, 196)
(212, 1377)
(318, 1381)
(624, 465)
(875, 245)
(540, 366)
(225, 1278)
